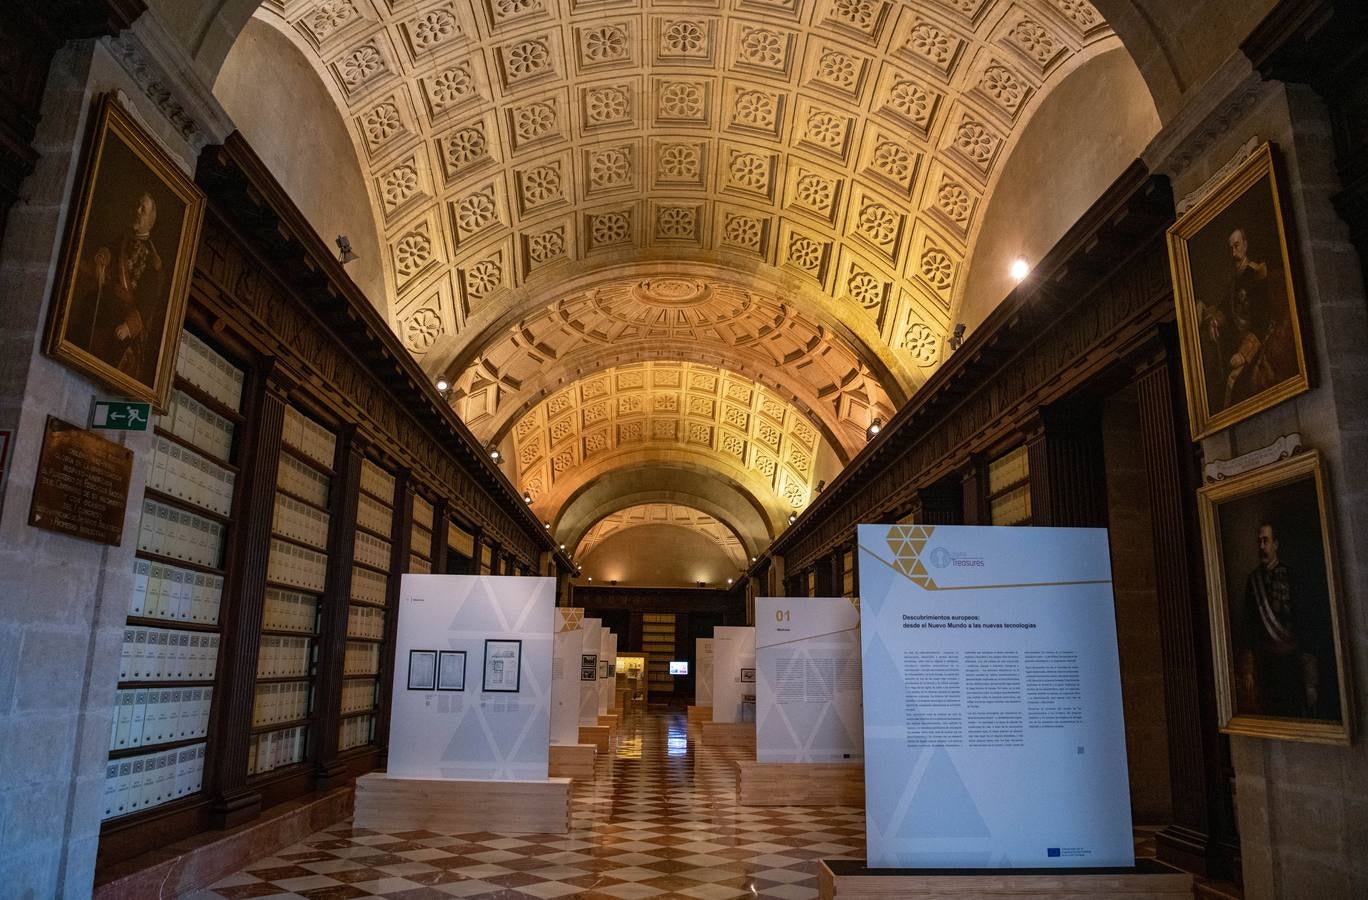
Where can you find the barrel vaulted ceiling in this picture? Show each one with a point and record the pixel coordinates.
(582, 194)
(670, 514)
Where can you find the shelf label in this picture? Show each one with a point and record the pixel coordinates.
(120, 415)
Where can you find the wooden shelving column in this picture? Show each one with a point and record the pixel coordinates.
(366, 611)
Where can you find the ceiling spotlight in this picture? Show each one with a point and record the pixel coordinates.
(821, 485)
(527, 497)
(546, 525)
(702, 584)
(613, 582)
(793, 517)
(442, 384)
(957, 337)
(344, 247)
(562, 546)
(874, 428)
(591, 577)
(495, 455)
(729, 581)
(753, 559)
(1020, 269)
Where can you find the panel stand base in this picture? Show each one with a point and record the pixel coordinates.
(452, 806)
(697, 715)
(735, 735)
(799, 784)
(574, 761)
(600, 736)
(1149, 880)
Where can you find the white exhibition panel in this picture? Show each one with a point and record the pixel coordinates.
(807, 691)
(607, 642)
(589, 671)
(733, 663)
(482, 632)
(703, 673)
(565, 672)
(994, 735)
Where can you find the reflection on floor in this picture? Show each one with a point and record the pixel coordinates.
(659, 820)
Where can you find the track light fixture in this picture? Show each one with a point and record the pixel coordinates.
(495, 455)
(793, 517)
(874, 428)
(344, 248)
(527, 498)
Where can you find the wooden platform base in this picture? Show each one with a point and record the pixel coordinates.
(697, 715)
(738, 735)
(451, 806)
(799, 784)
(600, 736)
(1149, 880)
(609, 719)
(575, 761)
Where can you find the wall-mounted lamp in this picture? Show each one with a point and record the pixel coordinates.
(562, 546)
(442, 384)
(527, 498)
(793, 517)
(1020, 269)
(344, 247)
(874, 428)
(729, 582)
(821, 486)
(702, 584)
(957, 337)
(495, 455)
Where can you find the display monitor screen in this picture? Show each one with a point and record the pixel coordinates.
(679, 667)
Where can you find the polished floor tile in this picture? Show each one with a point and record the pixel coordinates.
(659, 820)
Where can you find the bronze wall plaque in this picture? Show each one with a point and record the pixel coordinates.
(82, 484)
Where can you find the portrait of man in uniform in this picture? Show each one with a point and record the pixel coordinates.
(121, 295)
(1236, 305)
(1274, 613)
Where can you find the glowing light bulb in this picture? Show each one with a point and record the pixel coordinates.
(1020, 269)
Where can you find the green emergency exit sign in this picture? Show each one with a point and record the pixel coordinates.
(119, 415)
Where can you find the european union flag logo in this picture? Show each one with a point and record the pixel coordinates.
(1051, 851)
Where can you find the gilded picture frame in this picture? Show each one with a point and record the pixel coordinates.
(123, 279)
(1239, 318)
(1276, 621)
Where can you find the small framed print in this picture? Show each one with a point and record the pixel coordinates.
(748, 676)
(502, 665)
(1275, 615)
(605, 669)
(422, 670)
(1238, 314)
(588, 673)
(451, 670)
(589, 659)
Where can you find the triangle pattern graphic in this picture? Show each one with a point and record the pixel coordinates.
(942, 806)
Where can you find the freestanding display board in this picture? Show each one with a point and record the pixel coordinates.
(606, 675)
(992, 699)
(589, 671)
(472, 678)
(733, 671)
(565, 675)
(807, 698)
(703, 672)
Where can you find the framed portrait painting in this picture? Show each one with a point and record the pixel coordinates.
(1237, 305)
(1275, 616)
(124, 274)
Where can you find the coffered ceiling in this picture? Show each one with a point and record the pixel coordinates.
(722, 234)
(648, 514)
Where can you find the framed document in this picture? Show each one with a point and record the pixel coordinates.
(589, 659)
(502, 665)
(451, 670)
(605, 669)
(422, 673)
(748, 676)
(588, 673)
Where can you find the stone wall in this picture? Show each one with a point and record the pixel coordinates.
(1303, 808)
(64, 600)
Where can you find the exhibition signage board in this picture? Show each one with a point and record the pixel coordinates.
(472, 680)
(607, 649)
(565, 675)
(733, 672)
(807, 690)
(993, 723)
(703, 671)
(589, 670)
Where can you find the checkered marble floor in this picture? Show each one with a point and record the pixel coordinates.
(659, 820)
